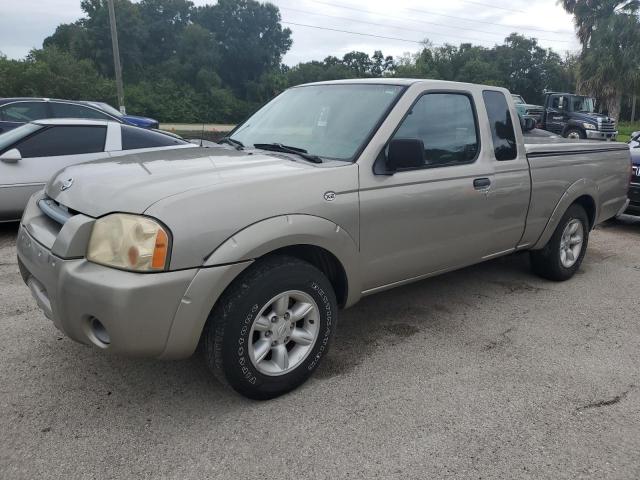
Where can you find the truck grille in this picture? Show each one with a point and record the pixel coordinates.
(55, 211)
(607, 126)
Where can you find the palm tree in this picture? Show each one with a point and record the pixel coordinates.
(587, 14)
(609, 32)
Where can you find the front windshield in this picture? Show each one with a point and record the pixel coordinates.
(12, 136)
(582, 104)
(330, 121)
(518, 99)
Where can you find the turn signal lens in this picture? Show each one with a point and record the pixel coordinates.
(129, 242)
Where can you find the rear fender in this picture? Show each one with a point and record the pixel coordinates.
(578, 189)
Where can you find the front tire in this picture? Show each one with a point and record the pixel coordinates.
(271, 327)
(562, 256)
(575, 134)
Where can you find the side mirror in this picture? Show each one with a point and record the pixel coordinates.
(11, 156)
(527, 123)
(405, 153)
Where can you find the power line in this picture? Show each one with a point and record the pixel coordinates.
(353, 33)
(360, 10)
(492, 6)
(414, 30)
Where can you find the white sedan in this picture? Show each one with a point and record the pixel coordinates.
(33, 152)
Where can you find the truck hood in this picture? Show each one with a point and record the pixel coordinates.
(590, 117)
(132, 183)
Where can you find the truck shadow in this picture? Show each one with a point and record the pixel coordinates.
(624, 223)
(149, 391)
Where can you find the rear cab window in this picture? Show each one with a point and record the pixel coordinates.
(134, 138)
(501, 123)
(64, 140)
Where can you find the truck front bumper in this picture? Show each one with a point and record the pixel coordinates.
(598, 135)
(149, 315)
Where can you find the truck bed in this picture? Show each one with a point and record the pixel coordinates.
(556, 164)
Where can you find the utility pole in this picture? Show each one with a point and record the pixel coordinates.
(116, 56)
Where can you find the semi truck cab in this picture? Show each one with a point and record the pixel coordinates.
(573, 116)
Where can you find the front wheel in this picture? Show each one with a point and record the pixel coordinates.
(575, 134)
(270, 329)
(561, 257)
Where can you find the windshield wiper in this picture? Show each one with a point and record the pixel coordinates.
(278, 147)
(231, 141)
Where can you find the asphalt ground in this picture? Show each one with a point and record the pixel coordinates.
(488, 372)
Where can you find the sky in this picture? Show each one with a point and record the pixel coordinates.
(24, 24)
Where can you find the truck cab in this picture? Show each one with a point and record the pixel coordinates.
(573, 116)
(525, 109)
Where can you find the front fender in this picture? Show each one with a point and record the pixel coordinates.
(578, 189)
(278, 232)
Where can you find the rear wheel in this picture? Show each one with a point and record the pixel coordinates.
(575, 134)
(271, 327)
(561, 257)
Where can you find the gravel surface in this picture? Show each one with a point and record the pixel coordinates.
(488, 372)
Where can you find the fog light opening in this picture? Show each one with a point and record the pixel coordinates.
(99, 331)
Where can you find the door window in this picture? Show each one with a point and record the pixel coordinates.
(64, 140)
(135, 137)
(446, 124)
(501, 123)
(70, 110)
(23, 112)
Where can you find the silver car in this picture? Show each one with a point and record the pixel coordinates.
(34, 152)
(330, 192)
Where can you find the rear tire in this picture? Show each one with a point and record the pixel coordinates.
(575, 133)
(562, 256)
(271, 327)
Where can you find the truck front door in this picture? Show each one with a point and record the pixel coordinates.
(556, 114)
(454, 210)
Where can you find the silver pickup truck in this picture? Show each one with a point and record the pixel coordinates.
(330, 192)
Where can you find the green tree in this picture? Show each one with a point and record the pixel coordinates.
(609, 68)
(610, 37)
(588, 14)
(51, 72)
(250, 37)
(165, 22)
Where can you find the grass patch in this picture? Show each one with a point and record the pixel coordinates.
(625, 129)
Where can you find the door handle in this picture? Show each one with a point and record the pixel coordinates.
(481, 183)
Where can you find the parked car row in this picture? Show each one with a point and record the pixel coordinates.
(31, 153)
(18, 111)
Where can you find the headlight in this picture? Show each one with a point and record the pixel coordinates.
(589, 126)
(129, 242)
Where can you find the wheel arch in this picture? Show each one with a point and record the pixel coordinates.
(314, 239)
(584, 193)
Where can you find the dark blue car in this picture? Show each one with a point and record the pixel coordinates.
(634, 189)
(17, 111)
(143, 122)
